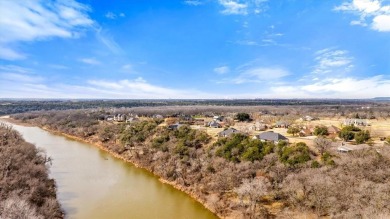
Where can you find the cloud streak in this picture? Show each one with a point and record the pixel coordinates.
(332, 61)
(193, 2)
(256, 74)
(244, 7)
(222, 70)
(29, 21)
(24, 21)
(90, 61)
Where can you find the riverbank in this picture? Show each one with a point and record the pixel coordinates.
(27, 190)
(118, 156)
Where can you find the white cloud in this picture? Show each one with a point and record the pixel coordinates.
(222, 69)
(331, 87)
(233, 7)
(137, 88)
(21, 77)
(332, 61)
(14, 73)
(138, 85)
(10, 54)
(358, 22)
(371, 11)
(90, 61)
(127, 67)
(381, 23)
(247, 43)
(14, 69)
(111, 15)
(253, 74)
(242, 7)
(193, 2)
(108, 41)
(337, 88)
(22, 21)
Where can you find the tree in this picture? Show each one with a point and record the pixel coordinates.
(296, 154)
(321, 131)
(243, 117)
(362, 136)
(293, 130)
(346, 135)
(322, 144)
(15, 207)
(253, 190)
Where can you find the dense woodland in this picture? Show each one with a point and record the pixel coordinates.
(25, 188)
(238, 176)
(11, 106)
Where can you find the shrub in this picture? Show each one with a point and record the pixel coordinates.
(326, 158)
(293, 130)
(362, 136)
(296, 154)
(320, 131)
(315, 164)
(243, 117)
(346, 135)
(240, 147)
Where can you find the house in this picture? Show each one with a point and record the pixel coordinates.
(120, 117)
(282, 124)
(218, 118)
(214, 124)
(308, 118)
(228, 132)
(356, 122)
(306, 131)
(344, 149)
(157, 116)
(186, 118)
(272, 136)
(109, 118)
(332, 130)
(174, 126)
(198, 121)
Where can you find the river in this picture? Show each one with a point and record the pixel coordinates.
(93, 184)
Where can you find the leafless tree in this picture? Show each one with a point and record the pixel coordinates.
(322, 144)
(253, 190)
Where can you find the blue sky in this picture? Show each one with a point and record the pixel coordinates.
(195, 49)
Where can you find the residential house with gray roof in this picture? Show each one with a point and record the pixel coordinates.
(214, 124)
(228, 132)
(272, 136)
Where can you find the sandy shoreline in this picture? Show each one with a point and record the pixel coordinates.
(116, 155)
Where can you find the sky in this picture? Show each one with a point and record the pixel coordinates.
(194, 49)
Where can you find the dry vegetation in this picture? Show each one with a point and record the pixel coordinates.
(25, 189)
(240, 177)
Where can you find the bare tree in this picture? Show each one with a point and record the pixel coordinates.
(322, 144)
(253, 191)
(15, 207)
